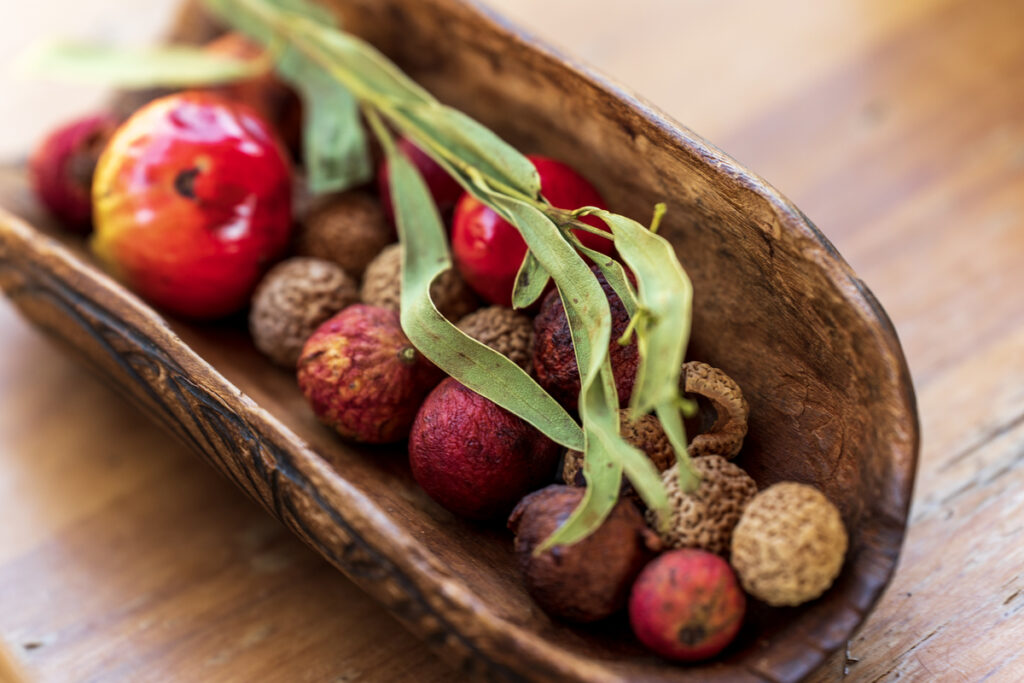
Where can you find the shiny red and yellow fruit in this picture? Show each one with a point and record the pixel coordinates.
(192, 202)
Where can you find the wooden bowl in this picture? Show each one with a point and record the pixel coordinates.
(777, 308)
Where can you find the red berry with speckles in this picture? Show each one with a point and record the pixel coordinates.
(686, 605)
(192, 202)
(443, 188)
(363, 377)
(62, 168)
(474, 457)
(488, 250)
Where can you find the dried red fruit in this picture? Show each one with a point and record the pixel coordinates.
(362, 376)
(554, 358)
(62, 168)
(474, 457)
(687, 605)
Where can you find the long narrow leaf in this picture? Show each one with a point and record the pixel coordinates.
(531, 281)
(424, 257)
(172, 66)
(334, 142)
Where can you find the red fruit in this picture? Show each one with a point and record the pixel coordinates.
(192, 203)
(445, 189)
(474, 457)
(62, 167)
(554, 358)
(488, 250)
(686, 605)
(362, 375)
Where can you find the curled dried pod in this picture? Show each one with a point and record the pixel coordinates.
(292, 300)
(382, 286)
(789, 544)
(504, 330)
(725, 436)
(705, 518)
(348, 228)
(590, 579)
(645, 433)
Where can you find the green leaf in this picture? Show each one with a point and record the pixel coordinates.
(368, 73)
(172, 66)
(480, 368)
(666, 295)
(665, 298)
(259, 18)
(310, 10)
(466, 144)
(589, 317)
(334, 142)
(531, 281)
(614, 274)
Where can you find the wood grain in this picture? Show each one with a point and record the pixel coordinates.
(896, 127)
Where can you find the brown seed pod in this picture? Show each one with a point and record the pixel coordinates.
(645, 433)
(725, 436)
(789, 544)
(348, 229)
(504, 330)
(588, 580)
(382, 286)
(291, 301)
(705, 518)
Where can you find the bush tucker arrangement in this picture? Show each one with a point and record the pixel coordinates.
(572, 419)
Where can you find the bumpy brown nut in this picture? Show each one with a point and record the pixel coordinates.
(504, 330)
(725, 437)
(382, 286)
(789, 544)
(292, 300)
(645, 433)
(705, 518)
(349, 229)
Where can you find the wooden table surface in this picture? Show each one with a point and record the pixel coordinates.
(898, 127)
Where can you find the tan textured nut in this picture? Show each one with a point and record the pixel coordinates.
(349, 229)
(705, 518)
(382, 286)
(645, 433)
(789, 544)
(725, 437)
(504, 330)
(293, 298)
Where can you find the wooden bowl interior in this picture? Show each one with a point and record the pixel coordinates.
(773, 309)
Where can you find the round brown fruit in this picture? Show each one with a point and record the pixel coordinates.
(474, 457)
(590, 579)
